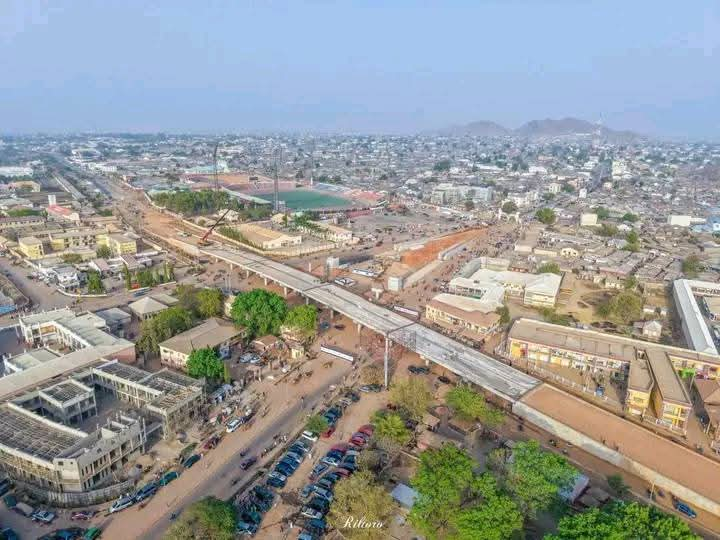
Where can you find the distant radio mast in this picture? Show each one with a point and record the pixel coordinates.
(276, 194)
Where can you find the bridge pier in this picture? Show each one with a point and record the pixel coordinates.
(265, 280)
(285, 291)
(307, 301)
(359, 327)
(386, 360)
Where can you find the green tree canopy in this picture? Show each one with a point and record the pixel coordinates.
(391, 426)
(94, 283)
(504, 313)
(442, 166)
(549, 268)
(360, 496)
(412, 396)
(535, 476)
(608, 230)
(209, 518)
(496, 517)
(509, 207)
(302, 320)
(162, 326)
(622, 521)
(546, 216)
(691, 266)
(444, 481)
(71, 258)
(471, 405)
(624, 307)
(629, 216)
(602, 213)
(103, 252)
(316, 424)
(210, 303)
(205, 363)
(261, 312)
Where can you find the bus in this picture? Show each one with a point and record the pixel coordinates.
(407, 311)
(339, 353)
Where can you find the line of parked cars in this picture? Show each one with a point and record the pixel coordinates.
(144, 493)
(339, 462)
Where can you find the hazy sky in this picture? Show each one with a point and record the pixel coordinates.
(366, 66)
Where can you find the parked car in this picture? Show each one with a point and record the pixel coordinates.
(310, 513)
(92, 533)
(352, 396)
(212, 442)
(418, 370)
(168, 477)
(248, 462)
(318, 470)
(443, 379)
(233, 425)
(367, 430)
(122, 503)
(192, 460)
(367, 388)
(245, 527)
(328, 432)
(146, 492)
(43, 516)
(9, 534)
(310, 436)
(83, 515)
(276, 479)
(263, 493)
(685, 509)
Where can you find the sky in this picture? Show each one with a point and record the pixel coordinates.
(364, 66)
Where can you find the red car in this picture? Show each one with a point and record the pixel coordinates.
(341, 447)
(367, 430)
(328, 432)
(212, 442)
(82, 516)
(358, 441)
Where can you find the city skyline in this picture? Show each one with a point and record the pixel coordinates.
(358, 68)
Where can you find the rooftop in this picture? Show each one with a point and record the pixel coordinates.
(66, 390)
(146, 306)
(693, 320)
(211, 333)
(668, 382)
(31, 358)
(35, 436)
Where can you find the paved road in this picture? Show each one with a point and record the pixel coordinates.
(214, 474)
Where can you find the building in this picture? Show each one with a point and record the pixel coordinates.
(116, 320)
(588, 220)
(20, 222)
(119, 244)
(328, 231)
(60, 213)
(28, 359)
(712, 304)
(63, 328)
(85, 237)
(31, 247)
(639, 388)
(539, 290)
(213, 333)
(708, 393)
(15, 171)
(669, 396)
(266, 238)
(475, 318)
(696, 332)
(146, 308)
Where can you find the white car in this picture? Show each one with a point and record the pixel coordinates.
(233, 425)
(311, 513)
(310, 436)
(122, 503)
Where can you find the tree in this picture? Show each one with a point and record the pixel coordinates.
(162, 326)
(631, 283)
(127, 277)
(616, 483)
(205, 363)
(94, 283)
(549, 268)
(359, 496)
(504, 313)
(302, 320)
(622, 521)
(602, 213)
(471, 405)
(316, 424)
(546, 216)
(372, 374)
(391, 426)
(509, 207)
(444, 480)
(103, 252)
(495, 518)
(535, 476)
(608, 230)
(187, 296)
(442, 166)
(469, 205)
(691, 266)
(209, 518)
(412, 396)
(210, 303)
(633, 241)
(72, 258)
(261, 312)
(629, 216)
(624, 307)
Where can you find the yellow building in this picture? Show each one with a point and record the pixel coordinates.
(669, 396)
(31, 247)
(73, 238)
(470, 315)
(266, 238)
(640, 385)
(121, 244)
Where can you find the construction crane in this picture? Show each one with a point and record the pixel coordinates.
(203, 242)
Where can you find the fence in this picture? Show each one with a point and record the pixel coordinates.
(78, 499)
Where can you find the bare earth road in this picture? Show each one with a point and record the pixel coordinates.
(214, 473)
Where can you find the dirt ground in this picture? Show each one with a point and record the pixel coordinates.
(420, 257)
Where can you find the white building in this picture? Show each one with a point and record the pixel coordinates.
(14, 172)
(535, 289)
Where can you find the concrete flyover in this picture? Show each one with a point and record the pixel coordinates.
(474, 366)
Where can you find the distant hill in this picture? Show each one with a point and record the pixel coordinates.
(537, 128)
